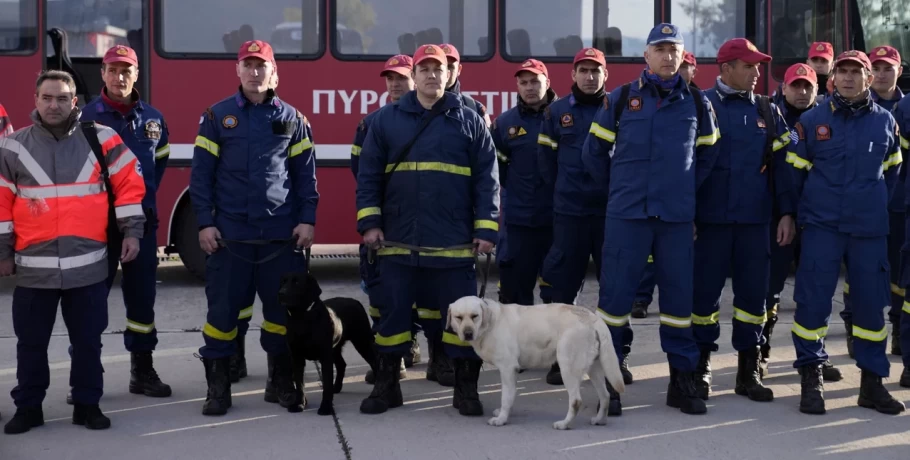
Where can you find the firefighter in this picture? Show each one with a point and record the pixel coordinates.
(901, 114)
(821, 58)
(255, 143)
(652, 161)
(145, 133)
(6, 126)
(397, 74)
(453, 85)
(688, 68)
(430, 160)
(53, 236)
(848, 134)
(750, 177)
(798, 94)
(529, 213)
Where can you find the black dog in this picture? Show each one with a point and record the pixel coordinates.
(318, 331)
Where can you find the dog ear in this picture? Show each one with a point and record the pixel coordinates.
(448, 318)
(486, 314)
(313, 286)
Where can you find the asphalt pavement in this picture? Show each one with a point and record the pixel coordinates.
(427, 427)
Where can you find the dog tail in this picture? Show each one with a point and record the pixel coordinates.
(608, 359)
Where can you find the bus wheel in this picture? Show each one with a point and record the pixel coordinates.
(187, 239)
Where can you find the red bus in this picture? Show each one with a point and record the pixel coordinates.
(329, 53)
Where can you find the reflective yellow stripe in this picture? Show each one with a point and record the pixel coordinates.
(487, 224)
(810, 334)
(543, 283)
(872, 336)
(675, 321)
(602, 132)
(893, 160)
(905, 144)
(706, 320)
(615, 321)
(895, 289)
(374, 312)
(781, 142)
(650, 259)
(214, 333)
(846, 288)
(405, 252)
(246, 313)
(502, 157)
(543, 139)
(710, 139)
(163, 151)
(749, 318)
(426, 313)
(798, 162)
(906, 308)
(205, 143)
(300, 147)
(452, 339)
(367, 212)
(274, 328)
(430, 166)
(397, 339)
(355, 150)
(139, 327)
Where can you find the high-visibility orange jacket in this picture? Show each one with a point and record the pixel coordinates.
(54, 206)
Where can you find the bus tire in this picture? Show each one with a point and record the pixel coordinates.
(187, 239)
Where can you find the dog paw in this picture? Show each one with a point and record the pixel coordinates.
(337, 388)
(325, 409)
(496, 412)
(496, 421)
(598, 420)
(561, 425)
(294, 408)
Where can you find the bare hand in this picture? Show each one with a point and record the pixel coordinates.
(304, 234)
(482, 246)
(786, 231)
(130, 249)
(373, 237)
(7, 267)
(208, 239)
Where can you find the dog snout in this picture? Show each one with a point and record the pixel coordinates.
(469, 334)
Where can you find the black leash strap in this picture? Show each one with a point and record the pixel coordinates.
(420, 249)
(284, 244)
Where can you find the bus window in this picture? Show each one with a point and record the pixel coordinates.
(94, 26)
(707, 24)
(796, 24)
(546, 29)
(207, 27)
(385, 27)
(882, 22)
(18, 26)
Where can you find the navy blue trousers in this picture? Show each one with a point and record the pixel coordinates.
(645, 293)
(138, 287)
(575, 241)
(84, 311)
(781, 258)
(520, 267)
(897, 224)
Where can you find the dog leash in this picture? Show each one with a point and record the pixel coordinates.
(284, 244)
(420, 249)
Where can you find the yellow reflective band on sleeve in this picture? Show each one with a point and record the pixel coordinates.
(355, 150)
(846, 288)
(895, 289)
(872, 336)
(781, 142)
(426, 313)
(650, 258)
(813, 335)
(905, 144)
(430, 166)
(615, 321)
(397, 339)
(367, 212)
(906, 308)
(374, 312)
(711, 320)
(543, 139)
(214, 333)
(246, 313)
(300, 147)
(675, 321)
(745, 317)
(710, 139)
(486, 224)
(502, 157)
(798, 162)
(206, 144)
(452, 339)
(274, 328)
(895, 159)
(163, 151)
(139, 327)
(602, 132)
(452, 253)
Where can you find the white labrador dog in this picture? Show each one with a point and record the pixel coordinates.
(514, 337)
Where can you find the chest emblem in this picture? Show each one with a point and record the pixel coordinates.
(515, 131)
(823, 132)
(566, 120)
(760, 122)
(229, 122)
(152, 129)
(634, 104)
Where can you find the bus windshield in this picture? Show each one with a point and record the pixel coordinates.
(18, 25)
(883, 22)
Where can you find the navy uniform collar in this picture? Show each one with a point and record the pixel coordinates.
(271, 97)
(898, 95)
(724, 91)
(102, 106)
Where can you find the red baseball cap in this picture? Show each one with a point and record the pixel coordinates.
(450, 51)
(430, 52)
(590, 54)
(821, 49)
(689, 58)
(742, 49)
(533, 66)
(887, 54)
(121, 53)
(400, 64)
(858, 57)
(800, 72)
(256, 48)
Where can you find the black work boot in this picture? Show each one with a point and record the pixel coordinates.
(766, 347)
(639, 310)
(281, 375)
(90, 416)
(440, 367)
(682, 393)
(218, 397)
(465, 397)
(69, 397)
(627, 377)
(413, 355)
(905, 377)
(386, 390)
(812, 393)
(615, 407)
(873, 395)
(143, 377)
(554, 377)
(848, 325)
(271, 392)
(896, 339)
(748, 377)
(238, 360)
(25, 419)
(831, 373)
(703, 376)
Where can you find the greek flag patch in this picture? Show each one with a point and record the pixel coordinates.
(794, 137)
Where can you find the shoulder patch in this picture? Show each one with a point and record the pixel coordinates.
(566, 120)
(634, 103)
(209, 113)
(800, 131)
(362, 126)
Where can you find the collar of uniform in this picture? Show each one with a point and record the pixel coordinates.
(271, 97)
(455, 88)
(550, 97)
(644, 83)
(409, 102)
(898, 95)
(74, 118)
(724, 91)
(103, 106)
